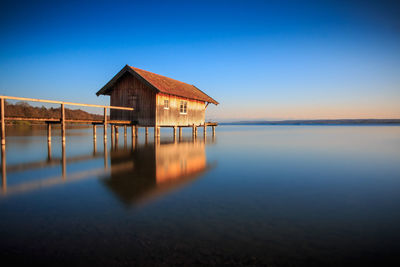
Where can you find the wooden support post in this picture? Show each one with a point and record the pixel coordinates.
(3, 124)
(112, 137)
(125, 137)
(147, 130)
(134, 139)
(94, 132)
(63, 123)
(213, 130)
(157, 131)
(49, 133)
(175, 130)
(194, 130)
(205, 130)
(105, 124)
(116, 136)
(180, 133)
(134, 130)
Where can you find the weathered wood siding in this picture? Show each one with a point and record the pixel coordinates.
(172, 116)
(127, 87)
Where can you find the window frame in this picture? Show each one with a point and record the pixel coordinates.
(166, 101)
(183, 107)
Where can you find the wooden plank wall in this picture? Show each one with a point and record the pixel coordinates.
(172, 116)
(127, 86)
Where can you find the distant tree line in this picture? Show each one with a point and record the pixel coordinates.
(23, 109)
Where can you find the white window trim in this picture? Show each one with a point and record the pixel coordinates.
(183, 113)
(164, 104)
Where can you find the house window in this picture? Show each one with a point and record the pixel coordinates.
(166, 104)
(183, 107)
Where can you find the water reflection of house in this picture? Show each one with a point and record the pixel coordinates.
(155, 170)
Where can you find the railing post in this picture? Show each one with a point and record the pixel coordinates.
(3, 124)
(105, 124)
(63, 123)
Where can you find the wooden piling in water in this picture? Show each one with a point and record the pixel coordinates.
(48, 132)
(105, 124)
(94, 132)
(63, 123)
(147, 130)
(116, 136)
(157, 131)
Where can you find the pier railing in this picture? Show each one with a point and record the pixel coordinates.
(62, 120)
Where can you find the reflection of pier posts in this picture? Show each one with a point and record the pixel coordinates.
(48, 151)
(3, 169)
(64, 161)
(63, 123)
(105, 156)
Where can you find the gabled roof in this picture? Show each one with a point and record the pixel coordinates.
(159, 83)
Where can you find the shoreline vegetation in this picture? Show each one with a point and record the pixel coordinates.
(319, 122)
(24, 110)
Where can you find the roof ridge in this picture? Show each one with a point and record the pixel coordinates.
(158, 75)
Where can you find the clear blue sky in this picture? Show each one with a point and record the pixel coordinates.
(259, 59)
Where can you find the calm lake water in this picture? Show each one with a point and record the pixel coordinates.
(253, 195)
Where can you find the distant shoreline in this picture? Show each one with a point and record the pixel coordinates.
(319, 122)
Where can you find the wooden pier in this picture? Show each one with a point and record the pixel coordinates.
(105, 122)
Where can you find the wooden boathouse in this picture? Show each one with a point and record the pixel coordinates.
(157, 101)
